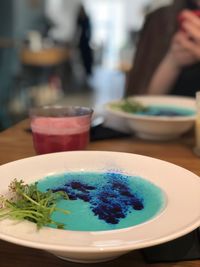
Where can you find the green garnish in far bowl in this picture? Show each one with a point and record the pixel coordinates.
(130, 106)
(28, 203)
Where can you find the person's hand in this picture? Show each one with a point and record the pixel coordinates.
(185, 46)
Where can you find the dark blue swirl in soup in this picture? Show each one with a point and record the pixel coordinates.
(104, 201)
(169, 111)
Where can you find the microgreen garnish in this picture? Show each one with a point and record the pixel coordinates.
(26, 202)
(130, 106)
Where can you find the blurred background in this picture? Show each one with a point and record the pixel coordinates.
(54, 52)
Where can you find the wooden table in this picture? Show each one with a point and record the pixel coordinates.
(16, 143)
(46, 57)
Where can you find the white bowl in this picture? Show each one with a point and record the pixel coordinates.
(157, 127)
(180, 215)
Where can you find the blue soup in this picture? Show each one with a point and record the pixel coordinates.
(104, 201)
(170, 111)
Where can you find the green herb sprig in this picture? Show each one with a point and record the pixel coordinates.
(26, 202)
(130, 106)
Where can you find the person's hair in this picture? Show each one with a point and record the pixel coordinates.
(154, 41)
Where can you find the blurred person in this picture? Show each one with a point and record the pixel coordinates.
(84, 34)
(167, 60)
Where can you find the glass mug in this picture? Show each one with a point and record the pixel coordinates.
(60, 128)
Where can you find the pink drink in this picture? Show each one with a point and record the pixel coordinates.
(55, 134)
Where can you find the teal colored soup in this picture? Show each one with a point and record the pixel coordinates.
(104, 201)
(170, 111)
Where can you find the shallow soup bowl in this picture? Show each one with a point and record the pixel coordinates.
(114, 196)
(166, 117)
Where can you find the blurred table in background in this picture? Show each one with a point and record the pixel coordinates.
(38, 67)
(46, 57)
